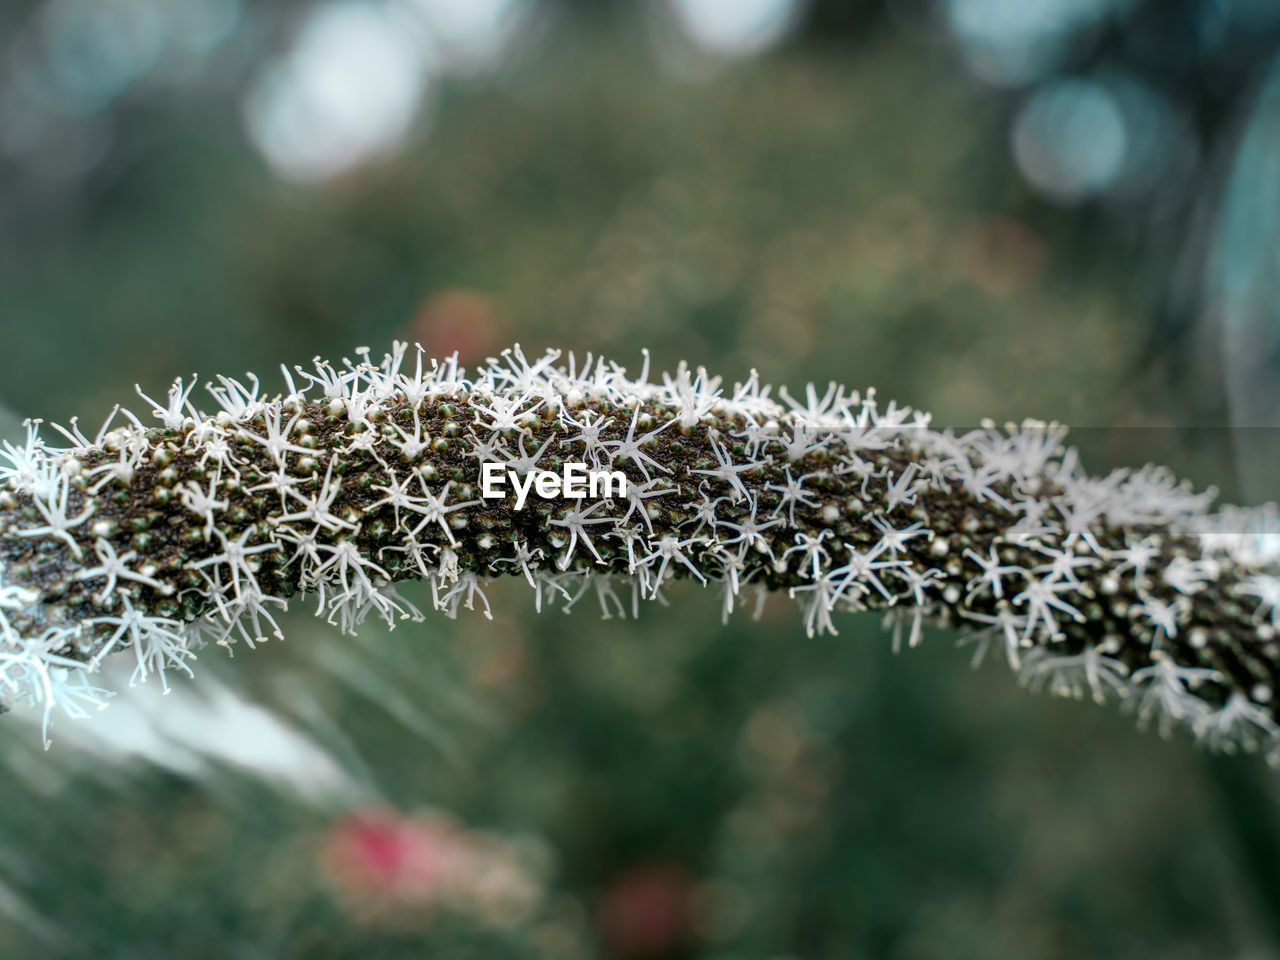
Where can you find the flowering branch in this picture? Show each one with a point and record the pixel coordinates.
(159, 540)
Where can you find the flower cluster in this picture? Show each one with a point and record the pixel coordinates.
(155, 540)
(390, 869)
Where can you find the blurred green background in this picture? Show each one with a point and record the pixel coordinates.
(1053, 208)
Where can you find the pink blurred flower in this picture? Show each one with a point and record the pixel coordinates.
(648, 911)
(391, 868)
(468, 321)
(379, 854)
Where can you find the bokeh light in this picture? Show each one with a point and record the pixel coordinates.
(736, 28)
(472, 36)
(347, 91)
(1070, 139)
(1012, 42)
